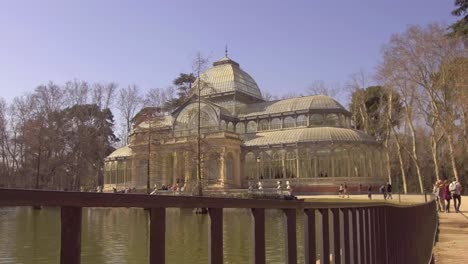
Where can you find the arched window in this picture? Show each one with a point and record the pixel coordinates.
(263, 125)
(264, 166)
(342, 120)
(301, 120)
(230, 127)
(240, 128)
(277, 165)
(275, 123)
(222, 125)
(251, 127)
(332, 120)
(323, 163)
(289, 122)
(316, 120)
(291, 165)
(188, 118)
(250, 166)
(229, 170)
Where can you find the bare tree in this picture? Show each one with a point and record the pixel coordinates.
(76, 92)
(417, 59)
(320, 88)
(129, 103)
(103, 94)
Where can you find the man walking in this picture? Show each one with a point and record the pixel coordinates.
(389, 191)
(455, 190)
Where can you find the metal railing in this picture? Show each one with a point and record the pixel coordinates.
(376, 232)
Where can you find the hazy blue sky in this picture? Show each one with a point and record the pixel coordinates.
(284, 45)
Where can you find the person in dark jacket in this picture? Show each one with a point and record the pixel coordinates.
(389, 191)
(447, 197)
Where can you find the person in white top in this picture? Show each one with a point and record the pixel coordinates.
(455, 189)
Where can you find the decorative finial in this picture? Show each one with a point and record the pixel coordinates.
(225, 51)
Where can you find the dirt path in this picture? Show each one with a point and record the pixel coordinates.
(452, 246)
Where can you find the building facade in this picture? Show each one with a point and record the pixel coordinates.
(306, 140)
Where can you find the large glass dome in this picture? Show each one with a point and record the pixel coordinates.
(226, 76)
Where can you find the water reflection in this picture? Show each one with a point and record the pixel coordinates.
(121, 236)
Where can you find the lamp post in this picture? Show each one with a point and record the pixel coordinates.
(148, 163)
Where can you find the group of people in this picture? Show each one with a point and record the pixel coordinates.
(444, 192)
(176, 187)
(386, 191)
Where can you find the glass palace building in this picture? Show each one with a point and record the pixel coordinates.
(306, 140)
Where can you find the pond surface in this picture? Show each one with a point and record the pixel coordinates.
(120, 235)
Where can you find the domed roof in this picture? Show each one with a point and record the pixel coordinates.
(312, 102)
(121, 153)
(306, 135)
(227, 76)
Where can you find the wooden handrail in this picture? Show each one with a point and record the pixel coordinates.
(20, 197)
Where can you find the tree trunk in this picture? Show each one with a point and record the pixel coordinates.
(414, 153)
(402, 166)
(452, 156)
(434, 149)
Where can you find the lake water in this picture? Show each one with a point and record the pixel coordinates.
(121, 236)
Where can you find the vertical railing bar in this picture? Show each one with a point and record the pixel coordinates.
(70, 240)
(362, 245)
(374, 235)
(157, 243)
(336, 236)
(346, 245)
(290, 238)
(354, 224)
(383, 221)
(325, 239)
(367, 235)
(310, 252)
(258, 222)
(215, 238)
(379, 236)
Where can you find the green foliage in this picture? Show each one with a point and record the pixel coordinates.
(460, 28)
(370, 106)
(184, 85)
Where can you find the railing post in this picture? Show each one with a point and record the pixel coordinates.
(70, 241)
(309, 236)
(373, 234)
(325, 239)
(346, 246)
(367, 235)
(384, 236)
(258, 222)
(157, 243)
(291, 242)
(336, 236)
(362, 239)
(354, 224)
(215, 238)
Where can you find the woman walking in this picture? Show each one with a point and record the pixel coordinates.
(447, 197)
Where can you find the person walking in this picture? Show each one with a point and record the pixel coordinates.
(447, 197)
(340, 191)
(389, 191)
(456, 194)
(383, 191)
(345, 190)
(369, 192)
(441, 195)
